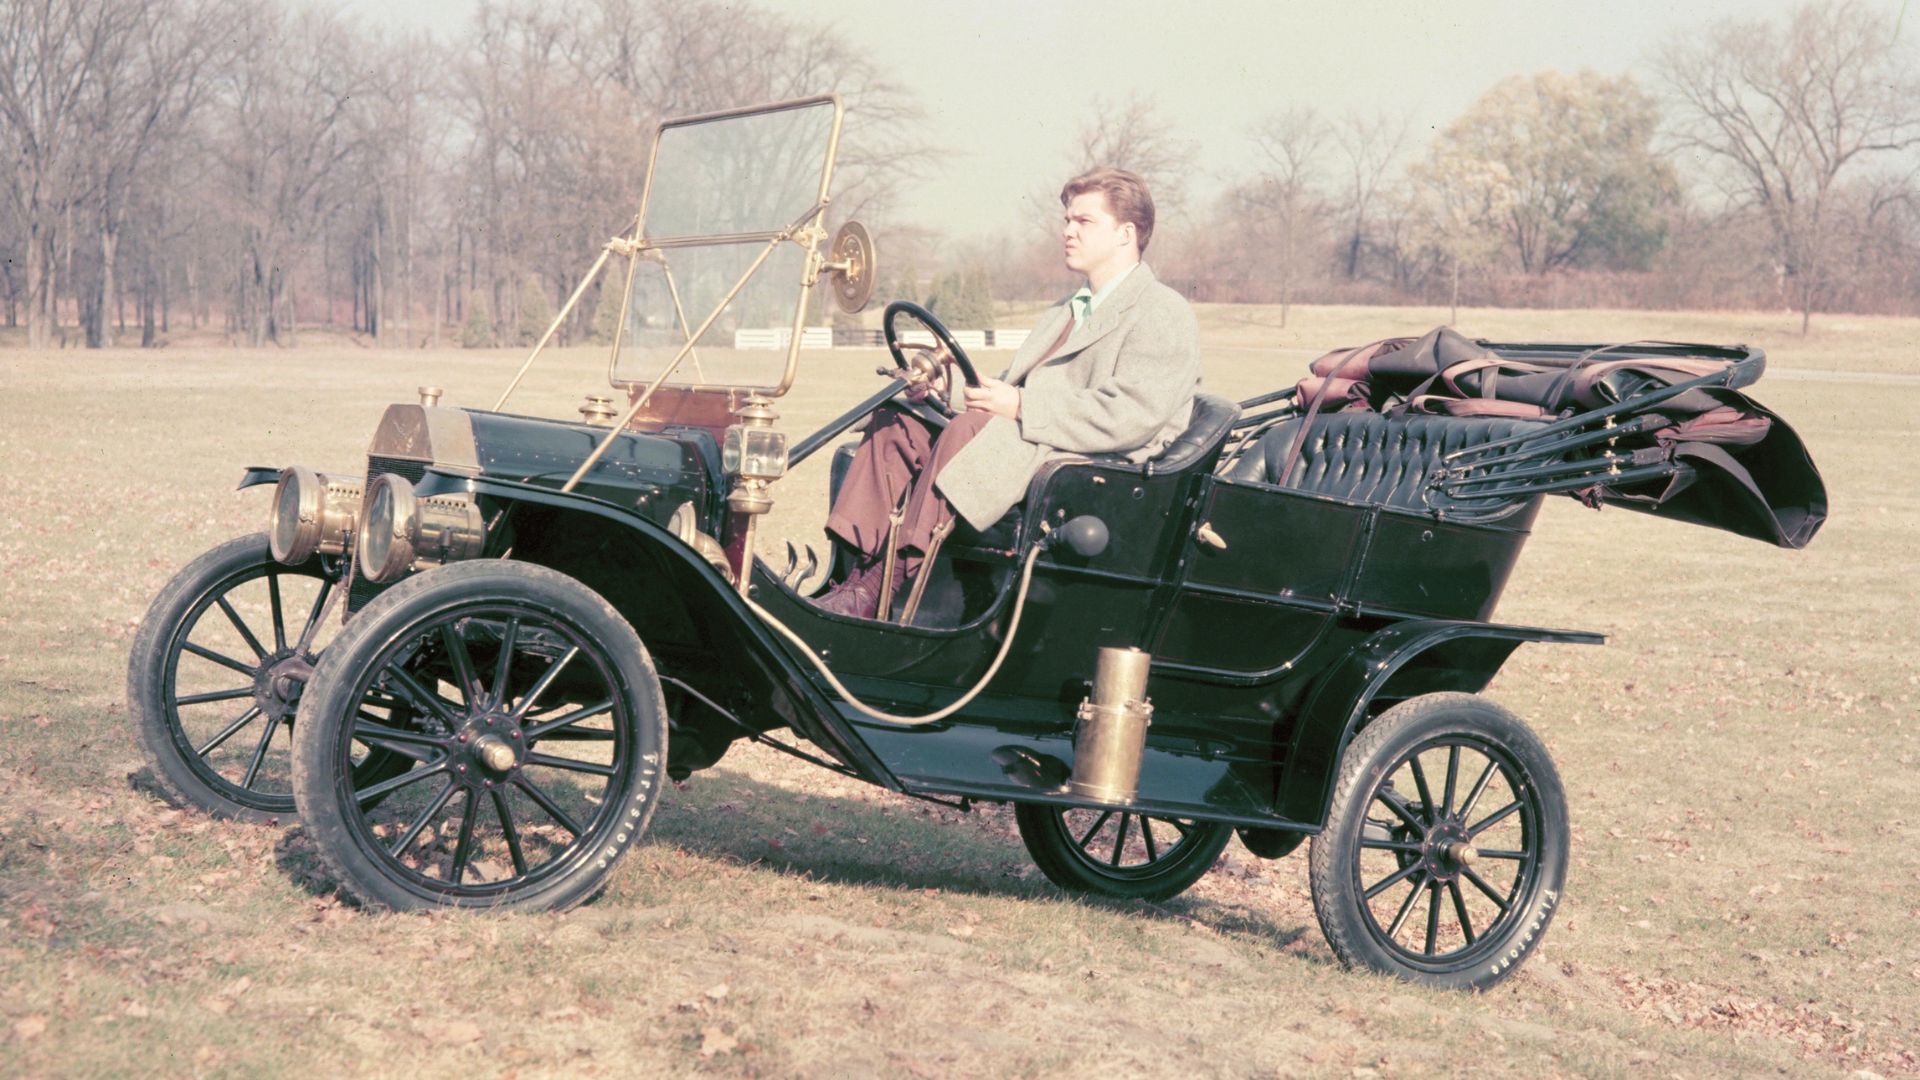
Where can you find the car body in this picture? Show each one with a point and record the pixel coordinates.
(1280, 625)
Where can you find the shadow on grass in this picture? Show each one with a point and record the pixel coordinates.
(897, 844)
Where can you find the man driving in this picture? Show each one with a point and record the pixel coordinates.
(1112, 370)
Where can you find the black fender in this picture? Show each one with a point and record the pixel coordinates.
(1419, 656)
(693, 620)
(255, 475)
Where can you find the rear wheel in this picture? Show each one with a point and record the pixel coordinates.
(1119, 853)
(216, 673)
(537, 728)
(1445, 850)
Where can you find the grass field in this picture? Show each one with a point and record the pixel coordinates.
(1740, 761)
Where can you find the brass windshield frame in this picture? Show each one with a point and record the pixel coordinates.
(804, 230)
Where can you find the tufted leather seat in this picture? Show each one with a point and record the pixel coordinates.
(1366, 457)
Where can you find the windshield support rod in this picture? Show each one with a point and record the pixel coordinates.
(565, 310)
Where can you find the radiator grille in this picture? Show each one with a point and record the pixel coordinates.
(360, 590)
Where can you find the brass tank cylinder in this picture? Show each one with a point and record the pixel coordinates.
(1112, 728)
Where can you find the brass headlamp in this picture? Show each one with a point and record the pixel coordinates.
(402, 531)
(312, 513)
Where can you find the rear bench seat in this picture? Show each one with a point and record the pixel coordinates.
(1366, 457)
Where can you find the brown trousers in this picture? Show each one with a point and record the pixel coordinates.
(898, 455)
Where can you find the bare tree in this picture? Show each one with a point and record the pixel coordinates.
(1787, 110)
(1286, 194)
(284, 131)
(1370, 146)
(1130, 133)
(49, 54)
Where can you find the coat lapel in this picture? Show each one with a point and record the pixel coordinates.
(1033, 350)
(1101, 323)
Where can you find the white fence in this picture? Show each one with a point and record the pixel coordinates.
(826, 337)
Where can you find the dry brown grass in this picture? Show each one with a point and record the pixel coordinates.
(1740, 760)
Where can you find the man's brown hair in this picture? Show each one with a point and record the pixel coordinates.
(1127, 197)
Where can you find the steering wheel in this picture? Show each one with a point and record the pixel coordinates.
(927, 365)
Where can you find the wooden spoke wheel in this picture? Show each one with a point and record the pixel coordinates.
(215, 677)
(535, 723)
(1119, 853)
(1445, 851)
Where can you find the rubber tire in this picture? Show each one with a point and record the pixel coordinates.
(1331, 858)
(1043, 830)
(160, 739)
(393, 613)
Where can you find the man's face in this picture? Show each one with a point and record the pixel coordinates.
(1093, 237)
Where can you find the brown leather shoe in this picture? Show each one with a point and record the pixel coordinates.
(857, 596)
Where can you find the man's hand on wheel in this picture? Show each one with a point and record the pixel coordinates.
(996, 397)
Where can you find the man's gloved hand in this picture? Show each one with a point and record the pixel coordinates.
(994, 396)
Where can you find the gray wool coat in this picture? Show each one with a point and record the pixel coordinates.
(1123, 382)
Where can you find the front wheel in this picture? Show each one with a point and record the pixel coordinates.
(1445, 850)
(537, 726)
(1117, 853)
(216, 672)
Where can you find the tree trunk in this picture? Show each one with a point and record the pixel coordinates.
(1454, 319)
(99, 331)
(39, 283)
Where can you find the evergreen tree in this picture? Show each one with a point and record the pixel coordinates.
(536, 314)
(478, 331)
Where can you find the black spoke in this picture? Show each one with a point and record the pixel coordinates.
(1099, 821)
(213, 743)
(579, 735)
(1388, 882)
(1433, 915)
(546, 679)
(312, 625)
(541, 731)
(1120, 840)
(365, 795)
(546, 803)
(224, 661)
(1460, 910)
(413, 830)
(216, 695)
(1499, 853)
(503, 668)
(463, 848)
(570, 764)
(1481, 884)
(1184, 830)
(1412, 847)
(368, 730)
(1146, 833)
(1420, 781)
(463, 675)
(234, 618)
(422, 697)
(1406, 908)
(1480, 785)
(279, 618)
(1493, 819)
(1453, 776)
(1399, 806)
(259, 753)
(512, 834)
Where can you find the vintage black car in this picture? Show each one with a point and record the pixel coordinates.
(1278, 627)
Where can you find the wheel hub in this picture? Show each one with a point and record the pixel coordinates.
(1449, 849)
(490, 750)
(279, 681)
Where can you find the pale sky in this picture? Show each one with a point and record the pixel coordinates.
(1006, 81)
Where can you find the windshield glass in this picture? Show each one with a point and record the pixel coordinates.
(719, 189)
